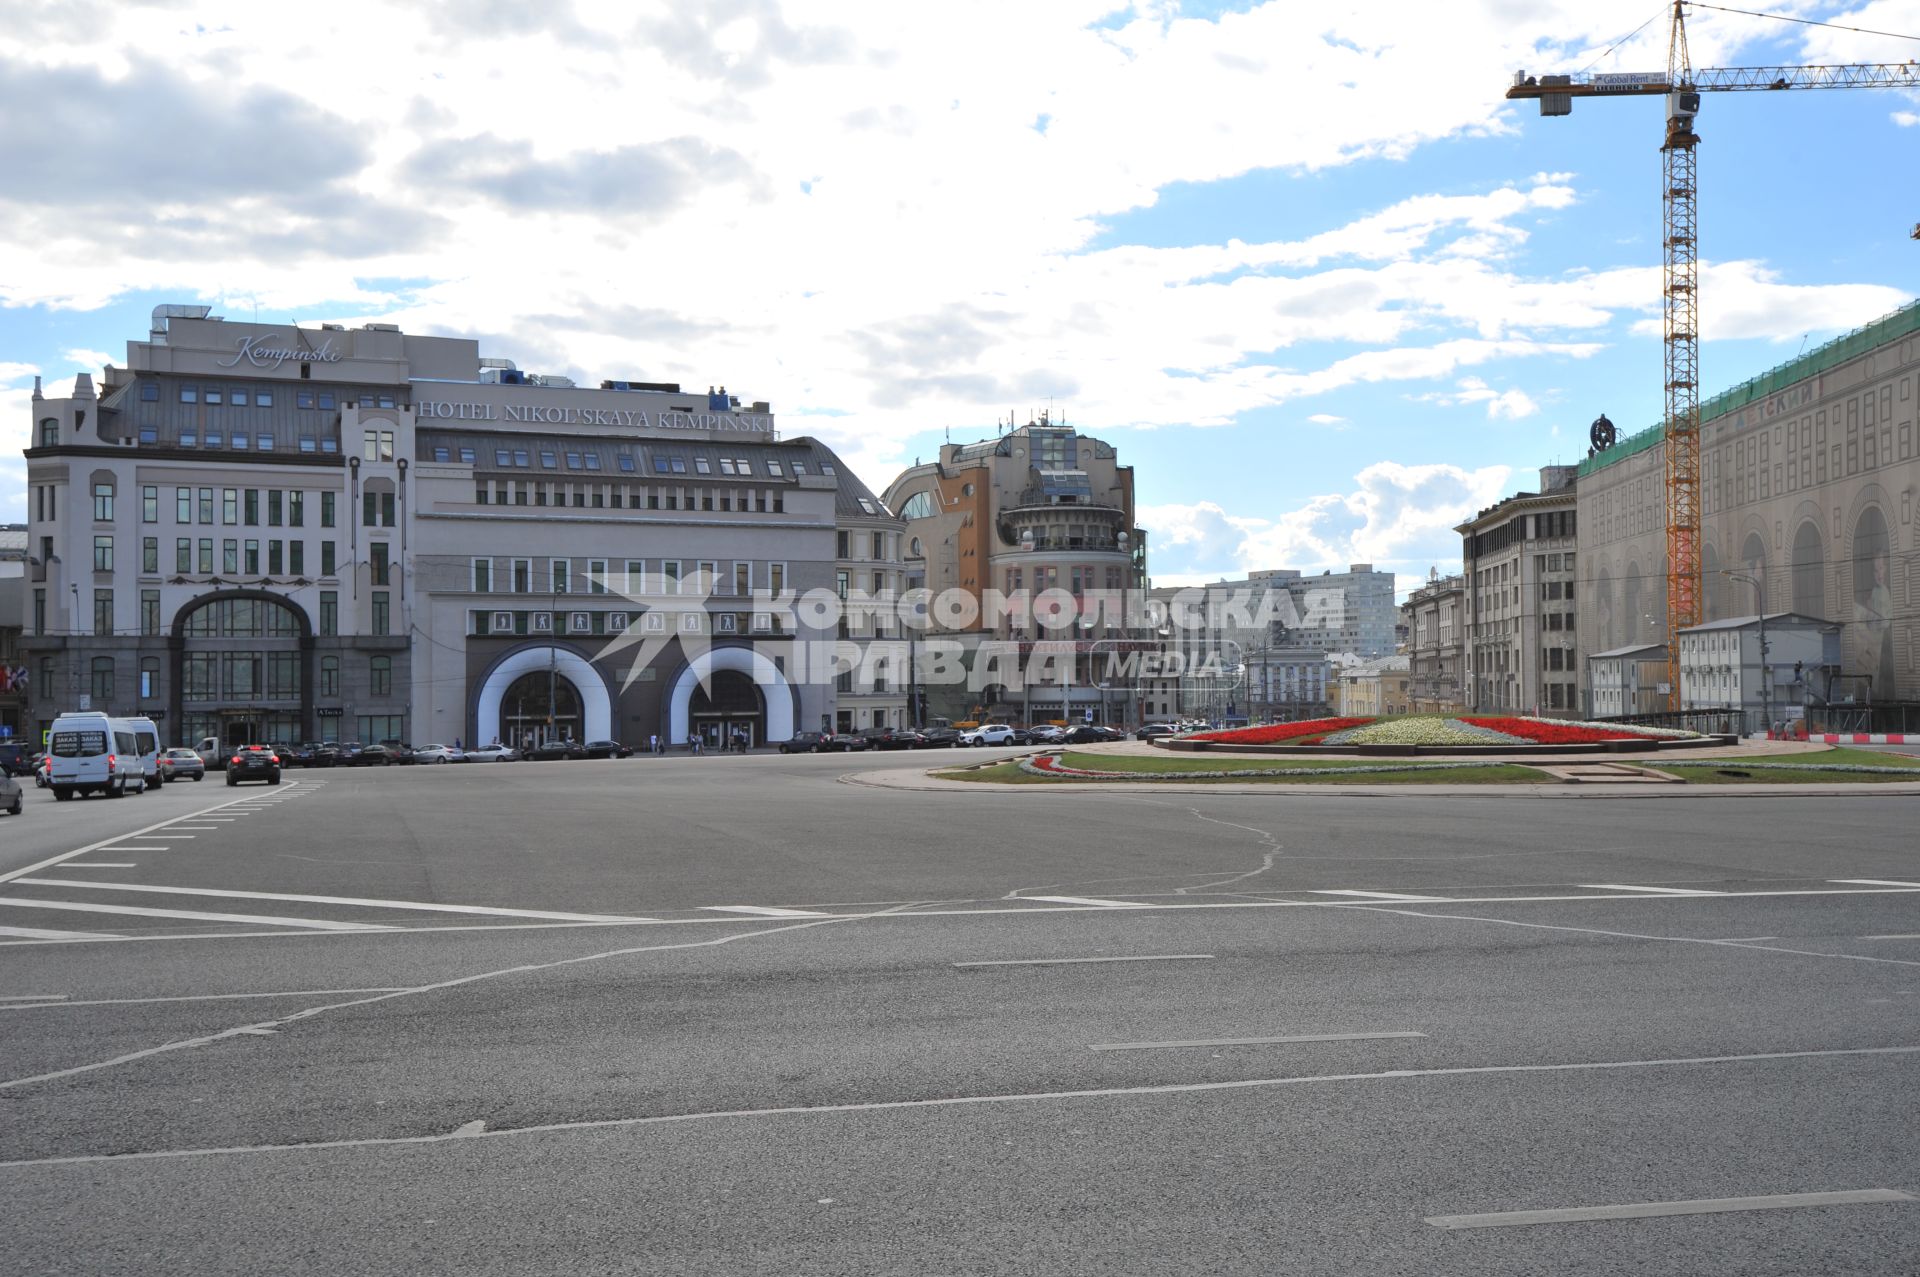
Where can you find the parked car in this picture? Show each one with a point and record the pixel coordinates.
(557, 750)
(182, 764)
(369, 756)
(938, 737)
(608, 749)
(1089, 734)
(894, 738)
(253, 762)
(439, 754)
(988, 734)
(10, 794)
(43, 772)
(851, 742)
(1150, 731)
(15, 759)
(494, 753)
(808, 743)
(295, 755)
(1046, 734)
(399, 753)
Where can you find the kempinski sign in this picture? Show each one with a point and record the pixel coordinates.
(626, 418)
(258, 353)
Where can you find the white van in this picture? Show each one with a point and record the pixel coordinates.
(146, 740)
(91, 753)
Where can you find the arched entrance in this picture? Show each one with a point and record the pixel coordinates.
(727, 704)
(593, 705)
(539, 708)
(726, 699)
(242, 664)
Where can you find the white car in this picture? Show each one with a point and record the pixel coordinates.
(439, 754)
(494, 753)
(988, 734)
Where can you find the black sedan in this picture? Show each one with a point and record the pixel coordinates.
(253, 762)
(896, 738)
(555, 750)
(608, 749)
(808, 743)
(369, 756)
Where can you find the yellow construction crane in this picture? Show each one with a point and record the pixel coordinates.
(1682, 84)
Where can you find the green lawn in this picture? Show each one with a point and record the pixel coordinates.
(1724, 771)
(1490, 773)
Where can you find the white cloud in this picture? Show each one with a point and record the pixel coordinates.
(1906, 119)
(1511, 404)
(90, 360)
(869, 221)
(16, 428)
(1395, 516)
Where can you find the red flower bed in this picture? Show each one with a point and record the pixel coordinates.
(1275, 733)
(1551, 733)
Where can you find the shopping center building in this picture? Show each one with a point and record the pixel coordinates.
(1808, 483)
(264, 532)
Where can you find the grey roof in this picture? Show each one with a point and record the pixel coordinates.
(1638, 649)
(13, 541)
(1773, 618)
(850, 491)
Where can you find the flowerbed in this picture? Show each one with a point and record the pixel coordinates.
(1418, 731)
(1551, 731)
(1275, 733)
(1050, 765)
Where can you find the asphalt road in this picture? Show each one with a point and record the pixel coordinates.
(734, 1015)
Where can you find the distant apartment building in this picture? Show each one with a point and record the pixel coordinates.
(1519, 569)
(1435, 620)
(1627, 680)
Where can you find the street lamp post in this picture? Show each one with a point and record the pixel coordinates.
(1760, 614)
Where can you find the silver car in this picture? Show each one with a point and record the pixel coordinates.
(10, 794)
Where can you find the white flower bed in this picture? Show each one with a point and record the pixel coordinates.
(1420, 731)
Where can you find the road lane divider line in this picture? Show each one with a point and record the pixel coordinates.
(1649, 1210)
(1658, 891)
(414, 905)
(96, 864)
(952, 1101)
(124, 847)
(1382, 895)
(1087, 900)
(1297, 1037)
(1874, 882)
(39, 933)
(767, 911)
(196, 997)
(1906, 936)
(1050, 962)
(140, 911)
(42, 999)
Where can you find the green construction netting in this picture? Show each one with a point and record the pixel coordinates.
(1831, 355)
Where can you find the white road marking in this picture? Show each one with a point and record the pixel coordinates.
(766, 911)
(1029, 1097)
(1647, 1210)
(475, 1127)
(50, 861)
(174, 837)
(1907, 936)
(414, 905)
(1658, 891)
(1874, 882)
(1084, 900)
(1347, 905)
(95, 864)
(1298, 1037)
(201, 828)
(36, 933)
(74, 906)
(46, 999)
(202, 997)
(1047, 962)
(1380, 895)
(117, 847)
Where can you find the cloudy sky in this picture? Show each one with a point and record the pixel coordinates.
(1302, 263)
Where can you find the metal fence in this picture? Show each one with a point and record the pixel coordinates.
(1707, 721)
(1897, 717)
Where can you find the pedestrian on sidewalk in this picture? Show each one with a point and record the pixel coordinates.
(653, 743)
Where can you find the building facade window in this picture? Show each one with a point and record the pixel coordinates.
(380, 676)
(329, 676)
(483, 576)
(103, 503)
(103, 613)
(149, 678)
(327, 503)
(102, 681)
(382, 615)
(329, 612)
(149, 612)
(103, 554)
(150, 554)
(149, 504)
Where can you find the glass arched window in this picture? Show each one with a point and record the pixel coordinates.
(1809, 570)
(918, 506)
(243, 618)
(49, 431)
